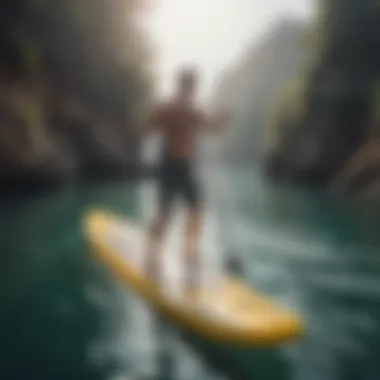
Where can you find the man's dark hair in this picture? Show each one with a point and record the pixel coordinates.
(187, 74)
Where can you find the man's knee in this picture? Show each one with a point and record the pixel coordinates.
(194, 219)
(158, 227)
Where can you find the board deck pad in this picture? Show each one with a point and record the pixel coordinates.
(128, 242)
(231, 312)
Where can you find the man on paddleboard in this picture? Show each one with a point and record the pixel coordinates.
(180, 123)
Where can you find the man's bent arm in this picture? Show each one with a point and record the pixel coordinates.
(152, 123)
(215, 122)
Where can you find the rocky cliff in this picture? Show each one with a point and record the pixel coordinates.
(336, 122)
(73, 86)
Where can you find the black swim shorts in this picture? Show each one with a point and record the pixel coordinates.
(177, 179)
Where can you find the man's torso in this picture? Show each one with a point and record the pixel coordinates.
(179, 124)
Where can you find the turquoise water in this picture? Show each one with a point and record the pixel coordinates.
(64, 317)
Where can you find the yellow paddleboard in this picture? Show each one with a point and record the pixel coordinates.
(244, 317)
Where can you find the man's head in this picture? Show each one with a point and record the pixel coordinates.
(187, 82)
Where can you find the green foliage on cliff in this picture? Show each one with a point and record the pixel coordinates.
(287, 112)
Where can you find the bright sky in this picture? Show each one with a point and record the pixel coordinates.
(212, 34)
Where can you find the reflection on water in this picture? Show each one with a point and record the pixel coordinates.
(65, 317)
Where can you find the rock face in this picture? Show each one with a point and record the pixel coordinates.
(69, 149)
(74, 85)
(360, 177)
(252, 86)
(339, 115)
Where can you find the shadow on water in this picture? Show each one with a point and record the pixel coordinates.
(64, 317)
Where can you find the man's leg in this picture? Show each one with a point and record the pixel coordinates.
(192, 257)
(158, 228)
(194, 225)
(156, 234)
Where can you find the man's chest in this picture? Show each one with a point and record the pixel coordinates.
(180, 119)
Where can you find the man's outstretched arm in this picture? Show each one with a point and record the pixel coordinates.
(216, 122)
(153, 122)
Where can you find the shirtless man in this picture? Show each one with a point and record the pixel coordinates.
(180, 123)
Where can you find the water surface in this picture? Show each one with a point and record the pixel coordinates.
(64, 317)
